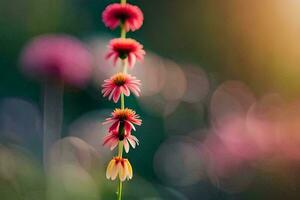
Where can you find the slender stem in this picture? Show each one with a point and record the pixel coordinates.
(53, 117)
(120, 190)
(123, 31)
(125, 66)
(120, 146)
(122, 101)
(120, 149)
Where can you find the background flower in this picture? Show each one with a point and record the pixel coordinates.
(57, 57)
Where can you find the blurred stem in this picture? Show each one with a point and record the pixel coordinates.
(53, 117)
(123, 1)
(125, 66)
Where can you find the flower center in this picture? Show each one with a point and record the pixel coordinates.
(119, 159)
(122, 116)
(119, 80)
(122, 16)
(123, 53)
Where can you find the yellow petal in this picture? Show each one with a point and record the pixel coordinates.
(109, 169)
(122, 173)
(129, 169)
(114, 172)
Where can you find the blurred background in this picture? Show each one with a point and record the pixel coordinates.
(220, 103)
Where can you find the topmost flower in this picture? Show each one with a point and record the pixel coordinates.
(129, 15)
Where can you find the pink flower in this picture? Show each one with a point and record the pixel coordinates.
(125, 48)
(126, 118)
(115, 14)
(57, 57)
(120, 83)
(113, 138)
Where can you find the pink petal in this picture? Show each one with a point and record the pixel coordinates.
(115, 126)
(125, 90)
(114, 144)
(126, 145)
(128, 126)
(116, 95)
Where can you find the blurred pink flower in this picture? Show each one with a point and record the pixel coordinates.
(117, 13)
(125, 48)
(113, 138)
(220, 160)
(237, 139)
(125, 117)
(120, 83)
(57, 57)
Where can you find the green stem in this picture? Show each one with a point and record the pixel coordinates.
(123, 31)
(120, 154)
(120, 190)
(120, 146)
(120, 149)
(125, 66)
(122, 101)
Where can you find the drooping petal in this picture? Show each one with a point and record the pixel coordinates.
(129, 169)
(109, 169)
(128, 126)
(132, 140)
(108, 138)
(114, 126)
(125, 90)
(126, 145)
(131, 60)
(114, 144)
(122, 172)
(114, 171)
(117, 94)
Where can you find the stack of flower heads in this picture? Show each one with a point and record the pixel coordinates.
(123, 120)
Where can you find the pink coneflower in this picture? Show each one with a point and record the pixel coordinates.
(125, 48)
(57, 57)
(120, 83)
(113, 138)
(124, 117)
(119, 166)
(129, 15)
